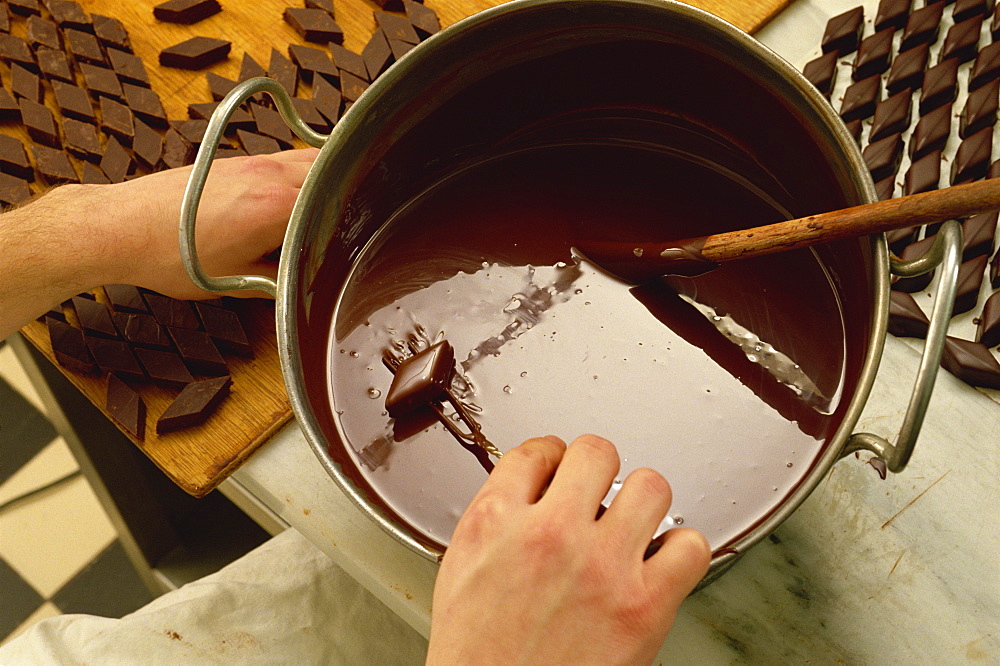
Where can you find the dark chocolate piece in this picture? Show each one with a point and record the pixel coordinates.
(284, 71)
(980, 109)
(177, 151)
(310, 114)
(971, 362)
(860, 99)
(988, 331)
(186, 11)
(987, 66)
(14, 49)
(854, 129)
(420, 379)
(972, 157)
(398, 28)
(145, 104)
(256, 144)
(194, 404)
(313, 25)
(26, 84)
(906, 319)
(426, 22)
(143, 330)
(69, 347)
(907, 70)
(101, 82)
(24, 7)
(164, 367)
(192, 130)
(83, 47)
(171, 312)
(116, 163)
(885, 188)
(9, 109)
(129, 68)
(225, 329)
(53, 166)
(924, 174)
(843, 32)
(226, 150)
(13, 190)
(351, 87)
(218, 86)
(114, 356)
(81, 140)
(931, 132)
(966, 9)
(195, 53)
(348, 60)
(873, 55)
(900, 238)
(822, 72)
(92, 175)
(922, 26)
(399, 48)
(325, 5)
(198, 351)
(892, 14)
(977, 235)
(111, 32)
(69, 14)
(270, 123)
(125, 298)
(312, 61)
(54, 65)
(892, 116)
(250, 68)
(940, 85)
(377, 55)
(117, 120)
(41, 32)
(910, 252)
(326, 99)
(970, 280)
(883, 156)
(73, 102)
(4, 19)
(995, 25)
(995, 270)
(390, 5)
(126, 407)
(13, 159)
(94, 317)
(962, 40)
(147, 145)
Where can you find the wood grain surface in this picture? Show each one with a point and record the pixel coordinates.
(199, 458)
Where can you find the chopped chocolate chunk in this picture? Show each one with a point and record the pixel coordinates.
(972, 157)
(822, 72)
(81, 140)
(225, 329)
(922, 26)
(843, 32)
(860, 99)
(399, 48)
(396, 27)
(885, 188)
(854, 129)
(94, 317)
(347, 60)
(53, 166)
(73, 102)
(883, 156)
(966, 9)
(931, 132)
(9, 109)
(114, 356)
(351, 87)
(111, 32)
(900, 238)
(962, 40)
(129, 68)
(312, 61)
(14, 49)
(995, 24)
(970, 280)
(940, 85)
(24, 7)
(13, 159)
(117, 120)
(177, 151)
(326, 99)
(978, 233)
(195, 53)
(987, 66)
(53, 65)
(310, 115)
(420, 379)
(892, 14)
(83, 47)
(256, 144)
(186, 11)
(425, 21)
(910, 252)
(980, 109)
(116, 163)
(192, 130)
(906, 319)
(995, 270)
(218, 86)
(147, 144)
(143, 330)
(198, 351)
(125, 298)
(194, 404)
(377, 55)
(270, 123)
(284, 71)
(988, 332)
(69, 14)
(924, 174)
(171, 311)
(43, 33)
(313, 25)
(390, 5)
(971, 362)
(69, 347)
(250, 68)
(13, 190)
(26, 84)
(101, 82)
(907, 70)
(325, 5)
(4, 19)
(892, 116)
(39, 121)
(164, 367)
(126, 407)
(873, 55)
(92, 175)
(145, 104)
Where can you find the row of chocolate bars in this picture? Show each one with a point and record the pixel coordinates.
(893, 79)
(111, 126)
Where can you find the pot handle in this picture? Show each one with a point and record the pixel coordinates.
(946, 251)
(199, 174)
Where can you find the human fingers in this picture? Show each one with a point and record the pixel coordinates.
(680, 563)
(586, 473)
(524, 471)
(639, 508)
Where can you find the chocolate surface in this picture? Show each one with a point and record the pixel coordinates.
(195, 53)
(924, 174)
(194, 404)
(873, 55)
(311, 61)
(81, 140)
(114, 356)
(978, 233)
(171, 311)
(142, 330)
(129, 68)
(351, 86)
(313, 25)
(860, 99)
(423, 18)
(225, 329)
(53, 65)
(198, 351)
(101, 81)
(164, 367)
(125, 298)
(39, 122)
(284, 71)
(116, 163)
(53, 166)
(987, 66)
(971, 362)
(972, 157)
(377, 55)
(348, 60)
(147, 145)
(843, 32)
(93, 175)
(910, 252)
(970, 279)
(83, 47)
(940, 85)
(69, 14)
(907, 70)
(270, 123)
(14, 49)
(145, 104)
(988, 331)
(117, 120)
(396, 27)
(962, 40)
(42, 32)
(822, 72)
(906, 319)
(13, 158)
(186, 11)
(892, 116)
(73, 102)
(931, 132)
(922, 26)
(126, 407)
(980, 109)
(13, 190)
(111, 32)
(892, 14)
(69, 347)
(883, 156)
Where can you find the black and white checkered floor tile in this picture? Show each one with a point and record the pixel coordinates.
(59, 552)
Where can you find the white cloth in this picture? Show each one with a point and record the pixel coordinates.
(284, 602)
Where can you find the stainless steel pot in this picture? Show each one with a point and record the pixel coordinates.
(402, 132)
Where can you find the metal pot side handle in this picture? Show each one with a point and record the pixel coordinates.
(199, 175)
(946, 251)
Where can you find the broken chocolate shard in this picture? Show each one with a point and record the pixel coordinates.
(907, 71)
(860, 99)
(351, 87)
(194, 405)
(218, 86)
(111, 32)
(988, 331)
(126, 407)
(171, 312)
(81, 140)
(250, 68)
(420, 379)
(940, 85)
(13, 158)
(101, 82)
(69, 347)
(922, 26)
(53, 65)
(192, 130)
(284, 71)
(377, 55)
(195, 53)
(312, 61)
(424, 20)
(310, 114)
(73, 102)
(225, 329)
(177, 151)
(326, 99)
(92, 175)
(69, 14)
(186, 11)
(843, 32)
(396, 27)
(970, 280)
(978, 233)
(116, 163)
(164, 367)
(345, 59)
(873, 55)
(325, 5)
(971, 362)
(906, 319)
(13, 190)
(313, 25)
(129, 68)
(114, 356)
(40, 123)
(53, 166)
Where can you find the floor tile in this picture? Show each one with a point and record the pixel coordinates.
(20, 599)
(24, 431)
(46, 610)
(13, 372)
(52, 462)
(109, 586)
(52, 536)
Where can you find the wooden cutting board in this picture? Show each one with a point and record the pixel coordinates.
(199, 458)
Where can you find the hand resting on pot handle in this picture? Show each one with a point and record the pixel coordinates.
(533, 578)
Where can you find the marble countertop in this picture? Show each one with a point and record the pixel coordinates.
(901, 570)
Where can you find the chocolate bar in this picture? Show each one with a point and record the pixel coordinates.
(186, 11)
(988, 331)
(420, 379)
(843, 32)
(195, 53)
(114, 356)
(907, 71)
(126, 407)
(143, 330)
(125, 298)
(218, 86)
(986, 68)
(351, 87)
(885, 188)
(24, 7)
(257, 144)
(92, 175)
(325, 5)
(9, 109)
(14, 49)
(73, 102)
(53, 166)
(966, 9)
(980, 109)
(971, 362)
(192, 130)
(270, 123)
(177, 151)
(69, 347)
(399, 48)
(310, 114)
(906, 319)
(313, 25)
(194, 404)
(326, 99)
(13, 159)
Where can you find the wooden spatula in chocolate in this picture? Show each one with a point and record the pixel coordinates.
(640, 261)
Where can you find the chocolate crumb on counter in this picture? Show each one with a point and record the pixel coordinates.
(194, 404)
(126, 407)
